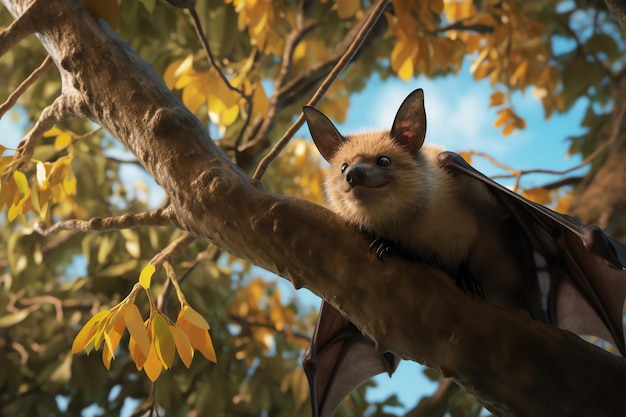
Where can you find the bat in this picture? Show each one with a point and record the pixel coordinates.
(430, 205)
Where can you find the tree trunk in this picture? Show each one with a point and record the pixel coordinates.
(514, 365)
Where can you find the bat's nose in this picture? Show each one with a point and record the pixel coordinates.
(355, 175)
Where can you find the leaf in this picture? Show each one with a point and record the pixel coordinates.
(21, 182)
(496, 99)
(347, 8)
(195, 318)
(183, 345)
(12, 319)
(146, 275)
(85, 334)
(153, 365)
(538, 195)
(62, 141)
(137, 328)
(163, 341)
(108, 10)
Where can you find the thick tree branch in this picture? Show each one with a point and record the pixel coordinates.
(409, 308)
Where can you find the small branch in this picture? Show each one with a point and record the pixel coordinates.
(158, 217)
(354, 47)
(18, 29)
(461, 26)
(243, 320)
(562, 183)
(173, 250)
(34, 76)
(517, 174)
(52, 114)
(197, 24)
(207, 50)
(276, 100)
(38, 301)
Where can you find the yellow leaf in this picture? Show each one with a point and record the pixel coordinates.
(137, 329)
(136, 354)
(402, 58)
(496, 99)
(504, 116)
(193, 98)
(163, 341)
(85, 334)
(520, 73)
(467, 156)
(55, 131)
(538, 195)
(183, 345)
(169, 76)
(21, 182)
(62, 141)
(152, 365)
(108, 10)
(508, 129)
(69, 185)
(146, 275)
(200, 338)
(347, 8)
(195, 318)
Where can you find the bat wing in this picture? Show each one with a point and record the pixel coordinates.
(338, 359)
(586, 267)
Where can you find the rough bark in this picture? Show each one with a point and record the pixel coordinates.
(515, 366)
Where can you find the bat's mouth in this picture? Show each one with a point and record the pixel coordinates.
(367, 191)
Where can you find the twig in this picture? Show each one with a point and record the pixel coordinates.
(517, 174)
(197, 24)
(277, 98)
(242, 320)
(158, 217)
(34, 76)
(330, 78)
(50, 115)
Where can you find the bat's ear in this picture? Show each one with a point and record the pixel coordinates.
(409, 126)
(325, 135)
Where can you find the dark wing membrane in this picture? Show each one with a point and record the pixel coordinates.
(338, 359)
(586, 267)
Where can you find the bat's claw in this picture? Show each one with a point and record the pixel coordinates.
(381, 248)
(470, 285)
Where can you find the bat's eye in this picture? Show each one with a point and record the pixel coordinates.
(383, 161)
(344, 167)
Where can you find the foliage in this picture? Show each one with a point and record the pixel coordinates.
(273, 54)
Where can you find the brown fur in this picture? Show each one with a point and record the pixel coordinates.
(408, 210)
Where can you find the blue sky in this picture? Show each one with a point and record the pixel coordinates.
(459, 118)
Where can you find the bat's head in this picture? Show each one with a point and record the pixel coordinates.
(376, 178)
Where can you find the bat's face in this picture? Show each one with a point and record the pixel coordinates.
(374, 182)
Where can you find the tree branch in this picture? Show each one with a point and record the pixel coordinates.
(158, 217)
(353, 48)
(34, 76)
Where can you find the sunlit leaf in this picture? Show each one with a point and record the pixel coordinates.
(195, 318)
(183, 345)
(146, 275)
(137, 329)
(538, 195)
(163, 341)
(85, 334)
